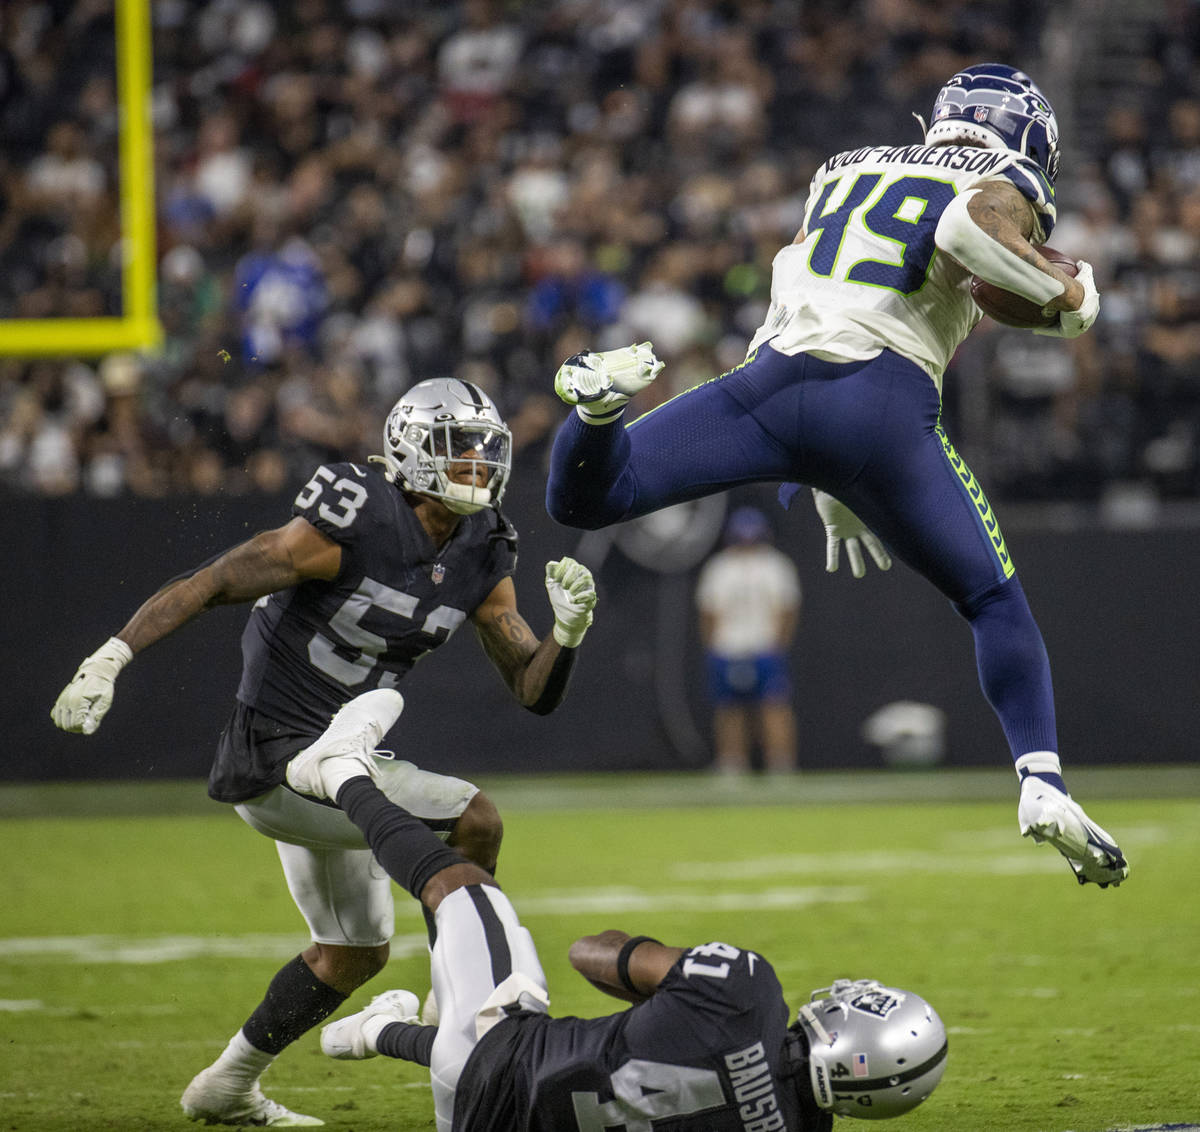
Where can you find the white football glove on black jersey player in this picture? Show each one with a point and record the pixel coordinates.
(82, 704)
(843, 526)
(572, 593)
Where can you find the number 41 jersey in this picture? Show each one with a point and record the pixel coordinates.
(307, 650)
(868, 275)
(704, 1054)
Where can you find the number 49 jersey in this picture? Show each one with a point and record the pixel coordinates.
(704, 1054)
(868, 275)
(308, 650)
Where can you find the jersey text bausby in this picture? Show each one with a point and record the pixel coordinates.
(704, 1054)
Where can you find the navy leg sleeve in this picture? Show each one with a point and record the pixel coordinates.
(1014, 670)
(699, 443)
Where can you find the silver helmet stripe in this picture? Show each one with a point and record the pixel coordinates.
(870, 1084)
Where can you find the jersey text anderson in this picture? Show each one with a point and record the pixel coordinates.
(966, 158)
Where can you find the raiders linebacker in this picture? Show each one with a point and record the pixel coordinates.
(378, 565)
(706, 1048)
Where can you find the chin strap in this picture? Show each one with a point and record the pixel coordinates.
(921, 122)
(388, 473)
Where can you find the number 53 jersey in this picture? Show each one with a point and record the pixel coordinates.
(308, 650)
(867, 275)
(704, 1054)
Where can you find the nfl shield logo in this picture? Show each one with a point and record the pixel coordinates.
(981, 113)
(438, 573)
(860, 1065)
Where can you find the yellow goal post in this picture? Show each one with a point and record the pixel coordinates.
(138, 327)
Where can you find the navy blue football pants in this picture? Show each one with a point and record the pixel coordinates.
(867, 433)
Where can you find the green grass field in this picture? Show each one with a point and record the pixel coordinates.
(141, 923)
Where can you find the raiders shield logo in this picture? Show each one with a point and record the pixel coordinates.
(879, 1003)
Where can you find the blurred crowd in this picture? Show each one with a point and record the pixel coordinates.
(354, 196)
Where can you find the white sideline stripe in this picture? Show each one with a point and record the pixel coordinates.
(850, 864)
(169, 948)
(36, 1005)
(617, 899)
(172, 948)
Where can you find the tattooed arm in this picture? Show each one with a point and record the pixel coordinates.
(270, 561)
(1000, 210)
(273, 560)
(535, 671)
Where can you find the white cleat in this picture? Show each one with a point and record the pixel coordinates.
(600, 385)
(210, 1098)
(1045, 813)
(348, 1039)
(346, 747)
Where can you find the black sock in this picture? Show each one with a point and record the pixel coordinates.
(409, 850)
(409, 1041)
(295, 1002)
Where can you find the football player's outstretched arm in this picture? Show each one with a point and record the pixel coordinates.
(624, 966)
(987, 230)
(537, 672)
(271, 561)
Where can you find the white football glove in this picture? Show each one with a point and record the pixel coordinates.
(843, 525)
(1071, 324)
(600, 385)
(572, 593)
(82, 704)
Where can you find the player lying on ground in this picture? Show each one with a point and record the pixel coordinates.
(706, 1048)
(841, 390)
(376, 568)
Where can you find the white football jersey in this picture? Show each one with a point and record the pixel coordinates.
(867, 275)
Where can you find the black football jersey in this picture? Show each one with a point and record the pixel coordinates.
(307, 650)
(704, 1054)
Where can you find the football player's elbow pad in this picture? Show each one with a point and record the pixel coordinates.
(962, 239)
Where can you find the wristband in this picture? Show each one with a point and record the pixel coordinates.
(623, 960)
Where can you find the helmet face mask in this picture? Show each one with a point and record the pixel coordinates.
(874, 1051)
(997, 107)
(438, 438)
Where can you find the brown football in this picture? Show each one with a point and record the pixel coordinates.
(1016, 310)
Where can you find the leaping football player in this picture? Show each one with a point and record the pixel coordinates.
(707, 1047)
(841, 390)
(379, 564)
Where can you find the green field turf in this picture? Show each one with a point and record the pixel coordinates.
(139, 928)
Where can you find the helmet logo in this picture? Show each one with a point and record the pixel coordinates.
(880, 1002)
(822, 1085)
(981, 113)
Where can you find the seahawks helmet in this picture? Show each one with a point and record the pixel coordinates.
(873, 1051)
(997, 107)
(442, 424)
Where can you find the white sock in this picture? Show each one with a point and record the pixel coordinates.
(241, 1063)
(373, 1027)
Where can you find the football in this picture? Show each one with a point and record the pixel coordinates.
(1012, 309)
